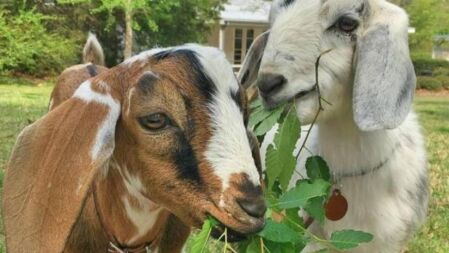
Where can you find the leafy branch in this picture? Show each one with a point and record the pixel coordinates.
(285, 229)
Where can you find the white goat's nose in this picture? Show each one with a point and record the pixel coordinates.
(269, 84)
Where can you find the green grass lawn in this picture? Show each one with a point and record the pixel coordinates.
(21, 104)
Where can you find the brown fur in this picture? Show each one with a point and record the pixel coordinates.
(69, 80)
(50, 204)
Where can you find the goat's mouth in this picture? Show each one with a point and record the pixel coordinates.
(237, 228)
(304, 93)
(218, 232)
(271, 103)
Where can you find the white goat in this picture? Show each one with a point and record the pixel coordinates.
(368, 134)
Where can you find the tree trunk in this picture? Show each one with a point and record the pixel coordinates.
(129, 31)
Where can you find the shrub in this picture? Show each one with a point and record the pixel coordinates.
(27, 47)
(441, 72)
(444, 81)
(427, 66)
(429, 83)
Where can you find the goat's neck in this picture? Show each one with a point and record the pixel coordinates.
(347, 149)
(125, 213)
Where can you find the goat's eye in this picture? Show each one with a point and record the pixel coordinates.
(347, 24)
(156, 121)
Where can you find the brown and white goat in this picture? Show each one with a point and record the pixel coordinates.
(71, 78)
(138, 155)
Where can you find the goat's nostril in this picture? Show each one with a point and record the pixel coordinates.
(254, 207)
(269, 83)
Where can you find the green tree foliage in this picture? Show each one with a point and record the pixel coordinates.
(429, 17)
(27, 46)
(155, 23)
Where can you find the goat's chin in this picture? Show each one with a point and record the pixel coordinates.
(307, 108)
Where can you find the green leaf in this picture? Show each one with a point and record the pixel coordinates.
(200, 240)
(278, 232)
(280, 161)
(294, 219)
(257, 116)
(286, 140)
(348, 239)
(255, 104)
(272, 164)
(268, 123)
(315, 207)
(304, 191)
(276, 247)
(254, 245)
(317, 168)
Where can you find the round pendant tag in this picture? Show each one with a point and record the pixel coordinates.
(336, 207)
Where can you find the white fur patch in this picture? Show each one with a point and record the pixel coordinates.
(229, 149)
(143, 217)
(106, 132)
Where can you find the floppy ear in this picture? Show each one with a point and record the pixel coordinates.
(385, 80)
(52, 168)
(250, 67)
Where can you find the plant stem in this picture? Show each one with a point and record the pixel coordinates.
(320, 108)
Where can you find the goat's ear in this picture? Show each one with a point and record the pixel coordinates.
(250, 67)
(52, 167)
(385, 79)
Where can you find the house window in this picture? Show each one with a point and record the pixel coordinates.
(238, 50)
(249, 38)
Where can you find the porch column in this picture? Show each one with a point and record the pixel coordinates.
(221, 43)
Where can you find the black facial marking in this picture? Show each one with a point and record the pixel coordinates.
(198, 73)
(146, 82)
(185, 160)
(249, 189)
(92, 69)
(287, 3)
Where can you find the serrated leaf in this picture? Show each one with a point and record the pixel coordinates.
(287, 169)
(276, 247)
(315, 208)
(253, 246)
(348, 239)
(255, 104)
(288, 134)
(294, 219)
(200, 240)
(304, 191)
(257, 116)
(278, 232)
(272, 164)
(268, 123)
(285, 140)
(317, 168)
